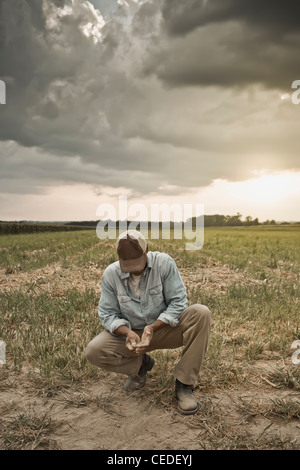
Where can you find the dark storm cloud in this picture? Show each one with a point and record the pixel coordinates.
(68, 95)
(230, 55)
(229, 43)
(111, 103)
(274, 17)
(48, 66)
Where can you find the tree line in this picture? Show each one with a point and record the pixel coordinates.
(215, 220)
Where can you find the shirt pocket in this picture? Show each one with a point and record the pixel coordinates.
(125, 304)
(156, 295)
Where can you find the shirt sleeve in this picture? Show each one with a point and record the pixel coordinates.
(108, 308)
(174, 293)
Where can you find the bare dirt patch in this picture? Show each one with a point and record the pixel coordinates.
(101, 416)
(53, 279)
(212, 277)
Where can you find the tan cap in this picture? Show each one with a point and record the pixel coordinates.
(132, 251)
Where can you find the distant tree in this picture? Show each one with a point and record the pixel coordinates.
(234, 219)
(215, 220)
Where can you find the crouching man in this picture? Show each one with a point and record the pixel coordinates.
(143, 307)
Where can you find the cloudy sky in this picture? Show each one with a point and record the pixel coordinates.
(162, 101)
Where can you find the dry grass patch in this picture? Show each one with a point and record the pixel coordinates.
(28, 430)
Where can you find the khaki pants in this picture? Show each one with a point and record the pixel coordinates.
(109, 351)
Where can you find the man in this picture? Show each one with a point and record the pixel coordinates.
(143, 307)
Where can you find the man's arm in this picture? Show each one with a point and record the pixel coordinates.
(174, 293)
(109, 309)
(158, 325)
(176, 299)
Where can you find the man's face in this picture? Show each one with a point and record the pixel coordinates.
(137, 273)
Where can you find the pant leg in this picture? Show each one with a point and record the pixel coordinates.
(192, 333)
(196, 333)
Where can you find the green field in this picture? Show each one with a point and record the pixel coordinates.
(247, 276)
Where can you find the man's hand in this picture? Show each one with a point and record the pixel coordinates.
(145, 339)
(134, 342)
(132, 339)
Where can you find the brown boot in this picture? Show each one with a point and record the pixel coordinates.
(187, 403)
(138, 381)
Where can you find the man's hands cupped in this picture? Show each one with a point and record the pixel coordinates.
(137, 344)
(134, 342)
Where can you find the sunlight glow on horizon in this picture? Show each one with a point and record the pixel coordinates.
(267, 196)
(268, 188)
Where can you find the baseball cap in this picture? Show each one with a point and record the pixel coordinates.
(132, 251)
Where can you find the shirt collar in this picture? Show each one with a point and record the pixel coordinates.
(150, 260)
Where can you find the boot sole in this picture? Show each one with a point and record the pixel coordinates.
(188, 412)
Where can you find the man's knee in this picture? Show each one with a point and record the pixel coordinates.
(200, 314)
(203, 311)
(97, 348)
(105, 348)
(91, 352)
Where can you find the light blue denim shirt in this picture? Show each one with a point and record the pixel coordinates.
(162, 295)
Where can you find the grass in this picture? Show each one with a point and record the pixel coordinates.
(279, 407)
(255, 319)
(26, 252)
(43, 330)
(28, 431)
